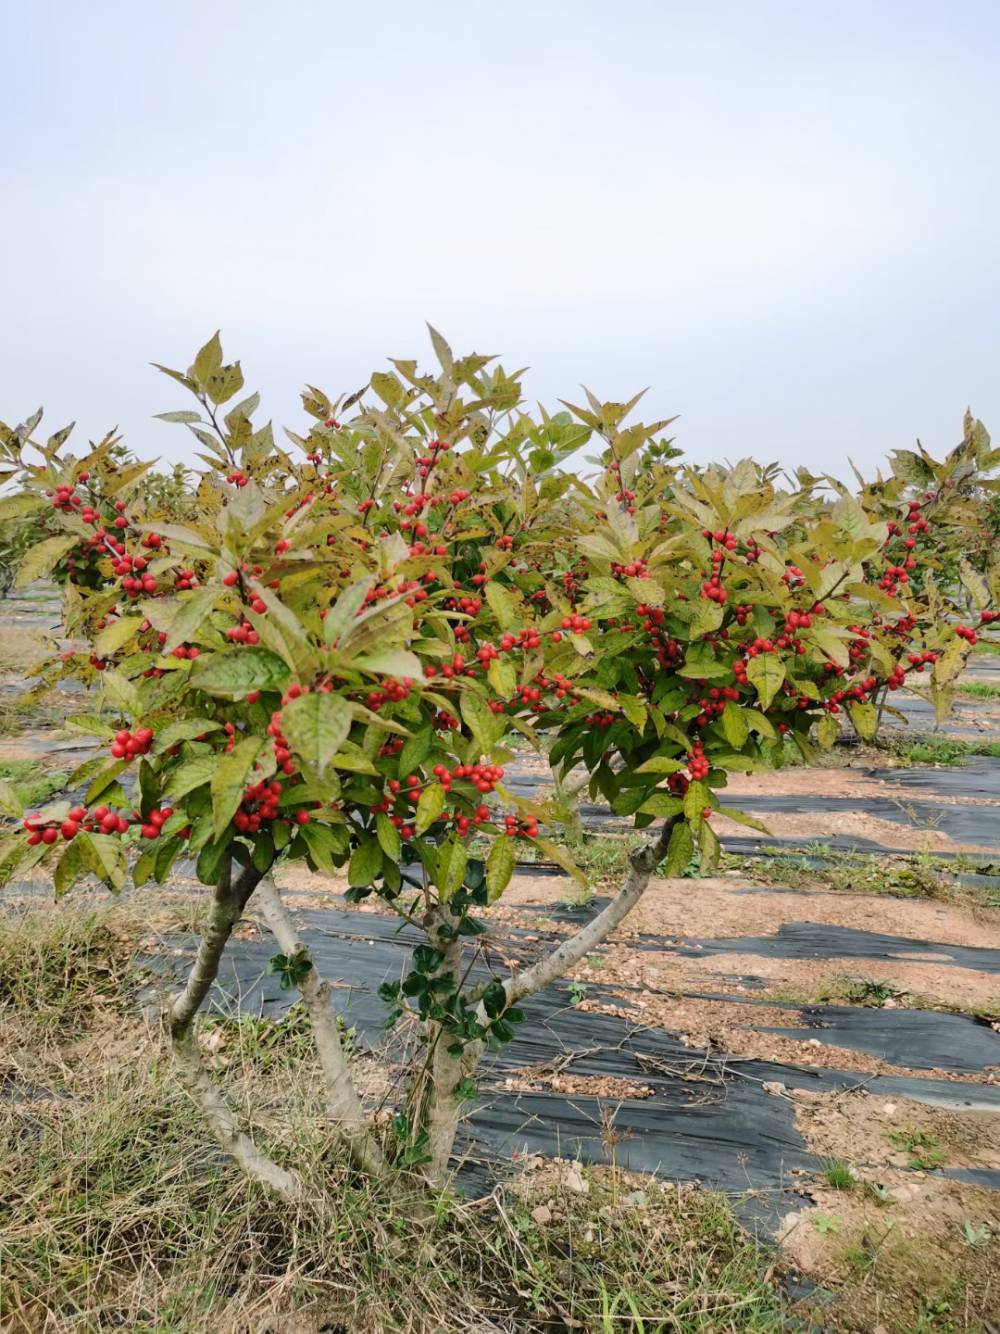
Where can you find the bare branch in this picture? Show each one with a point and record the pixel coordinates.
(642, 864)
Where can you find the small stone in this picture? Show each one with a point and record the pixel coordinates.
(888, 1109)
(574, 1181)
(813, 1042)
(788, 1224)
(888, 1004)
(902, 1193)
(637, 1199)
(542, 1214)
(774, 1087)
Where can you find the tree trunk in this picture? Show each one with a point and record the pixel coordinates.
(228, 902)
(442, 1107)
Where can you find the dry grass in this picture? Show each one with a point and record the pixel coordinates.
(119, 1211)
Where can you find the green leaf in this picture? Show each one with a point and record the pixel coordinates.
(365, 864)
(832, 645)
(316, 726)
(741, 817)
(499, 866)
(71, 867)
(185, 729)
(322, 844)
(90, 724)
(484, 725)
(104, 778)
(680, 850)
(237, 672)
(211, 858)
(190, 775)
(40, 560)
(104, 856)
(504, 605)
(393, 662)
(190, 612)
(180, 417)
(388, 836)
(21, 503)
(759, 724)
(344, 610)
(561, 858)
(735, 725)
(700, 662)
(710, 846)
(767, 674)
(415, 750)
(453, 857)
(661, 804)
(696, 798)
(442, 351)
(429, 806)
(660, 764)
(121, 692)
(230, 779)
(634, 710)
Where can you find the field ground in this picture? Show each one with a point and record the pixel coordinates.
(770, 1101)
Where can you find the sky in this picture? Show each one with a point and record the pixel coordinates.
(781, 217)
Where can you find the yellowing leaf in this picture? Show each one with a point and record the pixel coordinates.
(40, 560)
(10, 802)
(499, 867)
(864, 718)
(827, 731)
(502, 677)
(116, 635)
(429, 806)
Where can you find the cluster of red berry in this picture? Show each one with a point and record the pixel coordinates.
(128, 745)
(260, 804)
(697, 762)
(64, 498)
(520, 826)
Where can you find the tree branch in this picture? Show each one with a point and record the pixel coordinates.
(445, 1107)
(342, 1101)
(642, 863)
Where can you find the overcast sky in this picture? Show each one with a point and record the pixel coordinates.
(783, 217)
